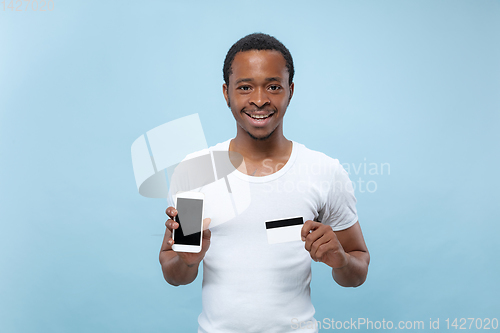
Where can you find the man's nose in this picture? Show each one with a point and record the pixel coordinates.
(260, 98)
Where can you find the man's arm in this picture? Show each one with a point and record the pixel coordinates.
(354, 273)
(180, 268)
(345, 251)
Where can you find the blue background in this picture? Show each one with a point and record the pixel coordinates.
(415, 84)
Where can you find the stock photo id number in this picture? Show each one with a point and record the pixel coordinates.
(28, 5)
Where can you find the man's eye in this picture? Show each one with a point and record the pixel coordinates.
(244, 88)
(274, 87)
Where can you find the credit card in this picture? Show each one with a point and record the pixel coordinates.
(284, 230)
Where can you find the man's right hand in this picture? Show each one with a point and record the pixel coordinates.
(190, 259)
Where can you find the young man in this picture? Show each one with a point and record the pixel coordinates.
(250, 285)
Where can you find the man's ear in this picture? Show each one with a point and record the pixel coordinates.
(226, 95)
(291, 92)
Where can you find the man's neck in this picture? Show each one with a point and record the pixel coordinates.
(261, 157)
(276, 146)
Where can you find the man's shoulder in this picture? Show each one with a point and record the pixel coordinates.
(311, 156)
(221, 145)
(217, 147)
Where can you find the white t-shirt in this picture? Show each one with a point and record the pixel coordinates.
(248, 284)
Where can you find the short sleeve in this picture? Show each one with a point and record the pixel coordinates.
(339, 210)
(188, 175)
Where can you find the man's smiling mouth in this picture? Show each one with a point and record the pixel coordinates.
(259, 116)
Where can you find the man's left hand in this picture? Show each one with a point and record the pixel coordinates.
(323, 245)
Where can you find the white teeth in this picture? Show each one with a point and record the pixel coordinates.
(256, 116)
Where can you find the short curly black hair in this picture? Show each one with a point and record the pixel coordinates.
(257, 41)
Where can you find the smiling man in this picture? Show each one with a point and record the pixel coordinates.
(250, 284)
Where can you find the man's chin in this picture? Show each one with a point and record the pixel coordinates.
(261, 137)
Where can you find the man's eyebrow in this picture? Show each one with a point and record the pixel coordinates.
(244, 80)
(268, 79)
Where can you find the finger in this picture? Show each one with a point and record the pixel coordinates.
(207, 234)
(313, 237)
(307, 227)
(171, 212)
(205, 242)
(321, 250)
(206, 223)
(317, 242)
(171, 225)
(167, 238)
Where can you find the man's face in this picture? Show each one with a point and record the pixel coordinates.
(258, 92)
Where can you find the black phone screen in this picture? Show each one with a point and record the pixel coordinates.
(189, 213)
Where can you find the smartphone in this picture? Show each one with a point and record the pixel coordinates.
(187, 237)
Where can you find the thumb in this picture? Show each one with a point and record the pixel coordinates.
(206, 232)
(206, 223)
(205, 244)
